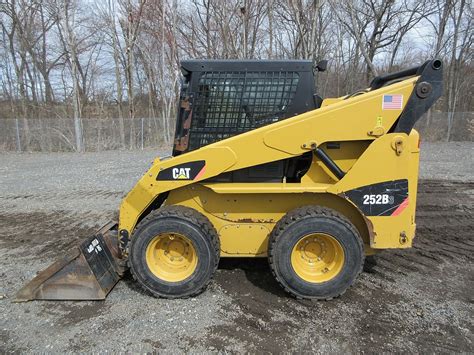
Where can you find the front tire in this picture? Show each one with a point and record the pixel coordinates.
(315, 253)
(174, 252)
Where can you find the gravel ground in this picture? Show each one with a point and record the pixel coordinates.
(417, 300)
(447, 161)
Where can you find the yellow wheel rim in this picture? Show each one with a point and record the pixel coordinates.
(171, 257)
(317, 258)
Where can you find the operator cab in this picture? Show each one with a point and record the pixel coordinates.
(222, 98)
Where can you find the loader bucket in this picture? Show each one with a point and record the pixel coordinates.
(87, 272)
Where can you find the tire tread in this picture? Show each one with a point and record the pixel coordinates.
(295, 215)
(190, 215)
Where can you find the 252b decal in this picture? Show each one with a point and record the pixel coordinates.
(388, 198)
(379, 199)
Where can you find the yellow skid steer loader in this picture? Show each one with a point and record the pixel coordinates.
(263, 167)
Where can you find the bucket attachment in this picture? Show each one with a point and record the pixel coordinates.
(87, 272)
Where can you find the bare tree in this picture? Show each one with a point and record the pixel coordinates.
(82, 59)
(108, 12)
(462, 39)
(130, 24)
(306, 24)
(16, 13)
(67, 20)
(377, 25)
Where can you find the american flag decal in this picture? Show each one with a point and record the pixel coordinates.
(392, 102)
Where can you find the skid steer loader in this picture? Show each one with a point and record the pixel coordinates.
(263, 167)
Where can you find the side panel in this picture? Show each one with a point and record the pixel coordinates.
(244, 220)
(390, 164)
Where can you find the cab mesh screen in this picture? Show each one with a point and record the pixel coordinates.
(230, 103)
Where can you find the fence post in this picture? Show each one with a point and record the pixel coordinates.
(18, 142)
(142, 133)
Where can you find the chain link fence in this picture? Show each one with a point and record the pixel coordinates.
(53, 135)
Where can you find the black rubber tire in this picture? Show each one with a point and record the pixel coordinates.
(313, 219)
(194, 226)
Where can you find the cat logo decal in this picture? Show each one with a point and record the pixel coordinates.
(193, 170)
(181, 173)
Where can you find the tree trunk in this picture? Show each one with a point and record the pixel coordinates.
(119, 86)
(71, 42)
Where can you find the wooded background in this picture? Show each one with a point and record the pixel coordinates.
(83, 74)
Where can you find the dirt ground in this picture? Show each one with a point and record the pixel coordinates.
(418, 300)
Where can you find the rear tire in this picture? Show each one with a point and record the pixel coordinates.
(315, 253)
(174, 252)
